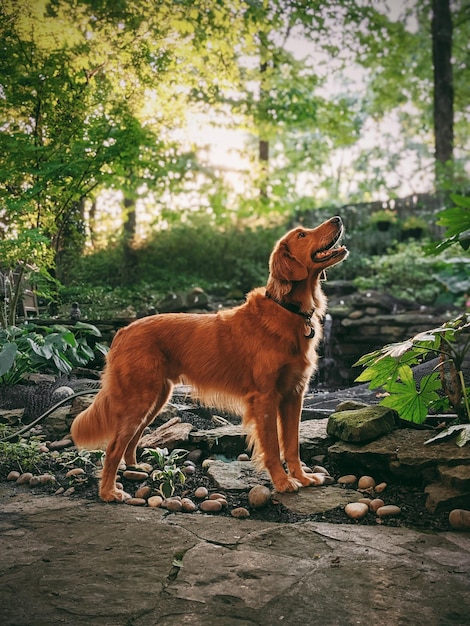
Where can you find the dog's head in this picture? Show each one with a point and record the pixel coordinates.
(307, 252)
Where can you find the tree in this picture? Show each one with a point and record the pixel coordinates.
(443, 82)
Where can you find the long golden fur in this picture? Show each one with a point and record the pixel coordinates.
(258, 357)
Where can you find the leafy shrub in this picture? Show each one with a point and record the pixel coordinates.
(56, 349)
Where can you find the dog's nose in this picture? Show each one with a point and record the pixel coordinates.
(336, 220)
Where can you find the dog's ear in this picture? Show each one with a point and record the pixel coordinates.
(284, 266)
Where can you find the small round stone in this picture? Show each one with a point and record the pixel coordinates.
(389, 510)
(356, 510)
(76, 471)
(459, 519)
(45, 479)
(349, 479)
(144, 467)
(189, 470)
(59, 491)
(365, 501)
(143, 492)
(136, 501)
(366, 482)
(155, 501)
(173, 504)
(259, 496)
(211, 506)
(194, 456)
(13, 475)
(376, 504)
(380, 488)
(34, 481)
(205, 464)
(243, 457)
(69, 491)
(201, 493)
(188, 505)
(217, 496)
(319, 469)
(135, 475)
(24, 478)
(240, 512)
(60, 445)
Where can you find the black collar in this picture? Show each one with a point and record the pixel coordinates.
(293, 308)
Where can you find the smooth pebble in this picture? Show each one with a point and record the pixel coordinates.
(349, 479)
(211, 506)
(389, 510)
(366, 482)
(376, 504)
(259, 496)
(356, 510)
(459, 519)
(240, 512)
(155, 501)
(200, 493)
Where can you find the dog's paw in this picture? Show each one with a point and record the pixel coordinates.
(289, 484)
(116, 495)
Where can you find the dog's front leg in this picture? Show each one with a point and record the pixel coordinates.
(262, 415)
(290, 409)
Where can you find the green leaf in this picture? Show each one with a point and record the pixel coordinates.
(7, 357)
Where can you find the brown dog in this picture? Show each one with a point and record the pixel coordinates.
(256, 358)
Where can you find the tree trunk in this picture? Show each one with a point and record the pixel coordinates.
(443, 84)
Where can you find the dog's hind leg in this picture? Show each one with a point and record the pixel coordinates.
(162, 398)
(290, 409)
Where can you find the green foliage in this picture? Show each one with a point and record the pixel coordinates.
(167, 474)
(404, 272)
(56, 349)
(456, 221)
(21, 456)
(390, 369)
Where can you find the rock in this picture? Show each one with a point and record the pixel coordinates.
(211, 506)
(45, 479)
(365, 501)
(62, 392)
(76, 471)
(13, 475)
(243, 457)
(34, 481)
(350, 405)
(136, 501)
(60, 445)
(194, 455)
(44, 449)
(173, 504)
(259, 496)
(188, 505)
(200, 493)
(24, 478)
(237, 475)
(366, 482)
(349, 479)
(362, 425)
(459, 519)
(318, 469)
(167, 435)
(441, 497)
(389, 510)
(316, 500)
(155, 501)
(58, 424)
(135, 475)
(356, 510)
(217, 496)
(380, 487)
(376, 504)
(188, 470)
(143, 492)
(457, 476)
(240, 513)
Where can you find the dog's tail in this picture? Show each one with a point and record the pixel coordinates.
(92, 427)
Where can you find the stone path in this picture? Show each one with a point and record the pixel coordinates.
(78, 562)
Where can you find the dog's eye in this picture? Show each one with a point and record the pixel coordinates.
(300, 235)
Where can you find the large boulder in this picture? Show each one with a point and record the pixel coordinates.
(363, 424)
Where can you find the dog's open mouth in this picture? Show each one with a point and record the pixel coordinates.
(331, 250)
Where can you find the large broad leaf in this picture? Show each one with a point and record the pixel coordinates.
(7, 357)
(461, 430)
(411, 403)
(89, 327)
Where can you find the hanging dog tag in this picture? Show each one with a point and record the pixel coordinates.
(311, 334)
